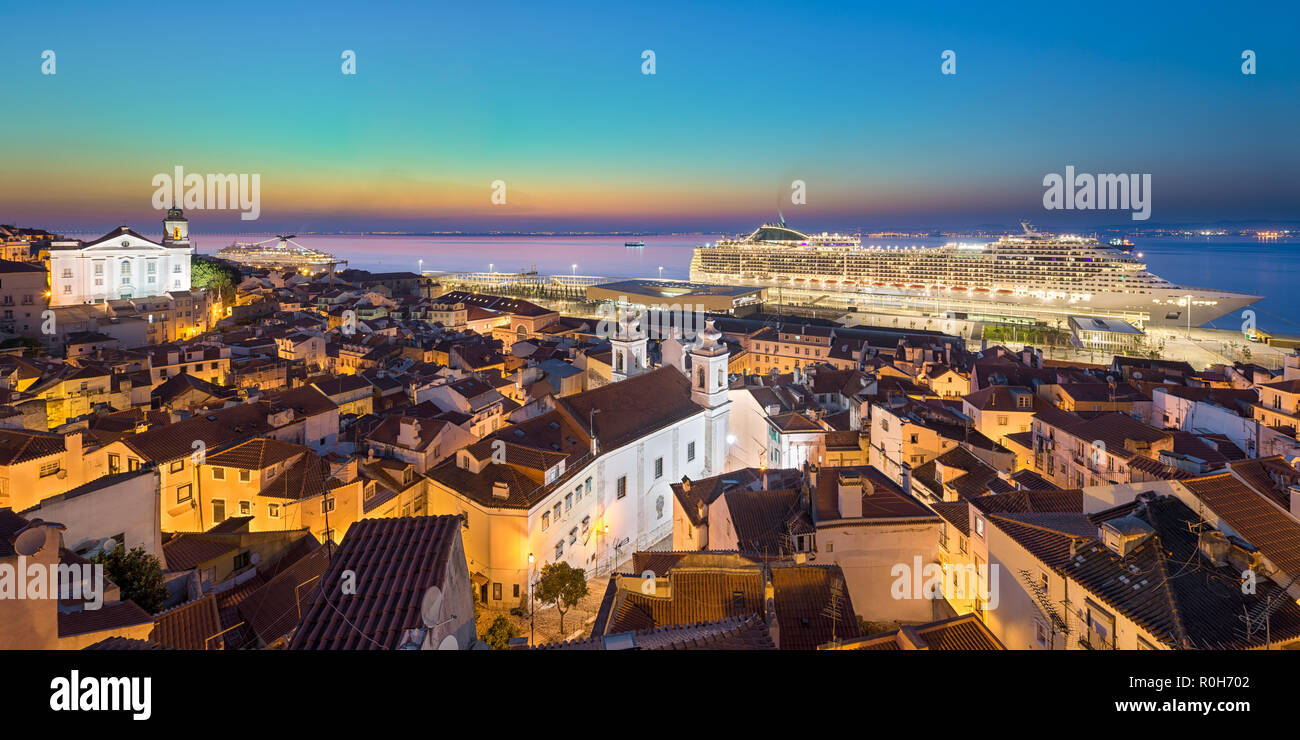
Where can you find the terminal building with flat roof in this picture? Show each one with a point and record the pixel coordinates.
(727, 299)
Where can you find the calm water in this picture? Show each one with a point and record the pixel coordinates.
(1268, 269)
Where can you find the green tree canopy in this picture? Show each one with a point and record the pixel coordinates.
(214, 275)
(499, 634)
(561, 585)
(138, 574)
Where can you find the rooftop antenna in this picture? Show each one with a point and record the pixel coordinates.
(832, 609)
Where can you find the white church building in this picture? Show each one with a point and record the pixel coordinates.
(121, 264)
(588, 482)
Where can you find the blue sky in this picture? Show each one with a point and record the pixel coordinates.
(549, 97)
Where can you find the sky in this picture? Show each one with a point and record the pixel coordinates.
(550, 99)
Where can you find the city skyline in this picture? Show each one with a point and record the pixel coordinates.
(853, 104)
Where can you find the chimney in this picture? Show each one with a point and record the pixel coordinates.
(500, 490)
(849, 485)
(1295, 501)
(906, 482)
(408, 434)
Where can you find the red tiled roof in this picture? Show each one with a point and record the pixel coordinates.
(189, 626)
(395, 561)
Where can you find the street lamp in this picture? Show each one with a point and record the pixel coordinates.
(661, 272)
(575, 269)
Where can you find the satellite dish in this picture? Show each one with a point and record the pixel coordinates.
(431, 606)
(1137, 374)
(449, 642)
(255, 558)
(108, 545)
(30, 541)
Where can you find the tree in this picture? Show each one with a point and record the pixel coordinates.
(138, 574)
(561, 585)
(215, 276)
(500, 633)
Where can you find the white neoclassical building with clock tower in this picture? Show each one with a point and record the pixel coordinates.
(122, 264)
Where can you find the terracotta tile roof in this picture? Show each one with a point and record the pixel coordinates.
(1029, 502)
(690, 493)
(696, 595)
(732, 633)
(114, 616)
(955, 513)
(125, 643)
(881, 497)
(1257, 519)
(1269, 476)
(20, 445)
(802, 598)
(256, 454)
(1163, 583)
(305, 478)
(304, 400)
(273, 610)
(396, 562)
(190, 550)
(632, 408)
(189, 626)
(964, 632)
(766, 521)
(660, 562)
(216, 429)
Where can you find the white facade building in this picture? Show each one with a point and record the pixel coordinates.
(121, 264)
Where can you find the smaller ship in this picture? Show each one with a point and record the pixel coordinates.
(1120, 242)
(284, 253)
(634, 244)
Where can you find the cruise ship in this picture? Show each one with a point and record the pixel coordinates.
(284, 253)
(1031, 275)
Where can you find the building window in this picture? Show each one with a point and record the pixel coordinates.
(114, 463)
(979, 526)
(496, 591)
(573, 535)
(245, 508)
(49, 469)
(546, 519)
(568, 502)
(273, 511)
(690, 451)
(622, 486)
(183, 493)
(176, 466)
(659, 468)
(245, 476)
(1040, 633)
(218, 510)
(516, 590)
(242, 560)
(326, 505)
(218, 474)
(587, 485)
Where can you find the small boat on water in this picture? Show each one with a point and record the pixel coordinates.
(634, 244)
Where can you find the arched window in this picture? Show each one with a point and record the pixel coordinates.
(618, 362)
(701, 377)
